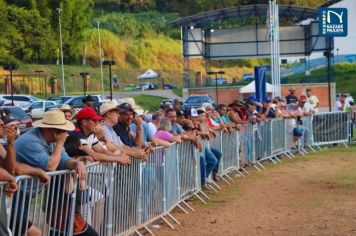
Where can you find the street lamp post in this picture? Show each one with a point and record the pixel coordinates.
(11, 68)
(101, 59)
(39, 78)
(110, 63)
(61, 45)
(85, 76)
(216, 82)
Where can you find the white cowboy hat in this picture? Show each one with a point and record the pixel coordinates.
(137, 109)
(65, 108)
(108, 106)
(54, 119)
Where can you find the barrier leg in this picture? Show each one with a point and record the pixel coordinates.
(275, 157)
(149, 231)
(197, 196)
(204, 194)
(174, 219)
(187, 205)
(167, 222)
(182, 209)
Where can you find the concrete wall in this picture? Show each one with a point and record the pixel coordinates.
(230, 93)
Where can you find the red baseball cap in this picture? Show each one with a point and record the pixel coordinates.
(303, 98)
(88, 113)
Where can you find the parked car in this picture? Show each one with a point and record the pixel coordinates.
(219, 81)
(40, 105)
(248, 77)
(57, 100)
(195, 101)
(130, 87)
(10, 113)
(19, 100)
(146, 86)
(169, 86)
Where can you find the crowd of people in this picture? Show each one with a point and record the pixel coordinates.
(120, 131)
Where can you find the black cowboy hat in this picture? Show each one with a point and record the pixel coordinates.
(88, 98)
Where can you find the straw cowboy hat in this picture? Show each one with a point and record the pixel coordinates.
(108, 106)
(54, 119)
(65, 108)
(138, 109)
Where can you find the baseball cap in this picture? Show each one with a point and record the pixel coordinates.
(193, 112)
(180, 113)
(252, 98)
(88, 113)
(266, 99)
(125, 107)
(303, 98)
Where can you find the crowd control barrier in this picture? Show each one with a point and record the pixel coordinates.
(331, 127)
(117, 200)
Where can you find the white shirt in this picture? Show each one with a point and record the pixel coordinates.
(111, 135)
(306, 108)
(338, 105)
(152, 128)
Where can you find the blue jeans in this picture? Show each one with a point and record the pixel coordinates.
(202, 170)
(218, 155)
(212, 161)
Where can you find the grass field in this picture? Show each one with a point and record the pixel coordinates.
(148, 102)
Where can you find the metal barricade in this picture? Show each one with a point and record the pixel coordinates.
(93, 197)
(278, 136)
(126, 198)
(289, 140)
(263, 140)
(171, 178)
(331, 127)
(247, 144)
(230, 152)
(50, 208)
(188, 167)
(152, 187)
(4, 211)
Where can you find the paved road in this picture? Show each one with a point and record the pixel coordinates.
(159, 93)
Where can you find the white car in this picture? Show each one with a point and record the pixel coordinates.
(20, 100)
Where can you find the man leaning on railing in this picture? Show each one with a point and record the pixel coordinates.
(42, 147)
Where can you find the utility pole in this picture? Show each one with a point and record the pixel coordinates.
(61, 45)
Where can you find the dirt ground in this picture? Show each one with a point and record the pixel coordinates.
(313, 195)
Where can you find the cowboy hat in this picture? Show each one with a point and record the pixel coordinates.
(137, 109)
(54, 119)
(88, 98)
(108, 106)
(66, 107)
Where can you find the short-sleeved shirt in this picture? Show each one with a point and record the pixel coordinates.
(152, 127)
(338, 105)
(124, 135)
(224, 119)
(164, 135)
(147, 134)
(313, 100)
(111, 135)
(306, 108)
(176, 129)
(291, 99)
(85, 140)
(32, 149)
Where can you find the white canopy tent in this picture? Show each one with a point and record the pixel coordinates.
(149, 74)
(250, 88)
